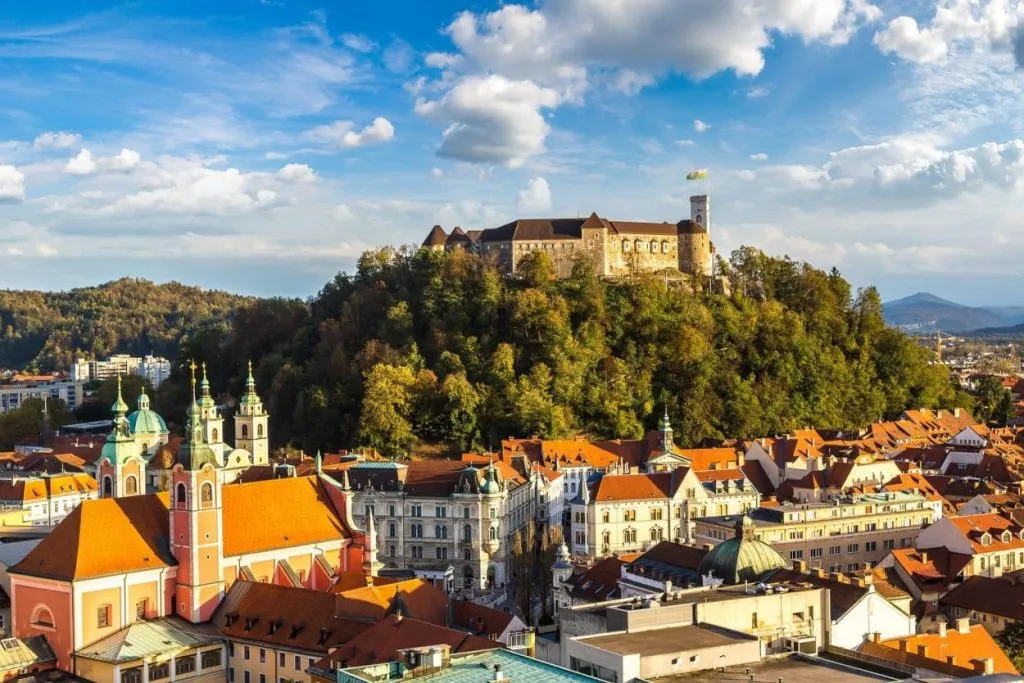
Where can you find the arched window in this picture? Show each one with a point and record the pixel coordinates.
(494, 533)
(697, 219)
(467, 533)
(108, 487)
(42, 616)
(245, 431)
(259, 431)
(206, 494)
(625, 245)
(391, 530)
(605, 517)
(216, 436)
(606, 541)
(131, 486)
(638, 245)
(180, 496)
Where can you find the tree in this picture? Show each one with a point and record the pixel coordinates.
(384, 421)
(1011, 639)
(28, 420)
(988, 393)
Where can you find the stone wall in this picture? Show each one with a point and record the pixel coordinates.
(562, 253)
(695, 253)
(626, 253)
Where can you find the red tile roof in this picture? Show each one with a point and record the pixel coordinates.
(479, 619)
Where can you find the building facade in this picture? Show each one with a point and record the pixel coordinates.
(844, 535)
(12, 395)
(614, 248)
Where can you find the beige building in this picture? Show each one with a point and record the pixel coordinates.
(844, 535)
(14, 394)
(628, 513)
(614, 248)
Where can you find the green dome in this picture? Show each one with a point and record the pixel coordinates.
(742, 558)
(146, 422)
(492, 484)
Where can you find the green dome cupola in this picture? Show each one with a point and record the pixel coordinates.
(743, 558)
(119, 445)
(195, 452)
(144, 420)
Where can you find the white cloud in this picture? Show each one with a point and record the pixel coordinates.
(979, 23)
(760, 156)
(85, 163)
(343, 133)
(398, 56)
(45, 250)
(535, 198)
(12, 184)
(491, 119)
(436, 172)
(700, 126)
(757, 92)
(684, 143)
(358, 42)
(297, 173)
(56, 140)
(81, 164)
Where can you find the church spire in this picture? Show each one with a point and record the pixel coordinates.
(250, 383)
(370, 564)
(120, 410)
(666, 432)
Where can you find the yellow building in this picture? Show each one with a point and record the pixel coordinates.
(840, 536)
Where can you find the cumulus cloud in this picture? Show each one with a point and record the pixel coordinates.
(491, 119)
(700, 126)
(85, 163)
(297, 173)
(56, 140)
(535, 198)
(12, 184)
(189, 187)
(344, 134)
(979, 23)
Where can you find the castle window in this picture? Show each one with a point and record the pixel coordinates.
(180, 496)
(259, 431)
(625, 245)
(654, 246)
(131, 486)
(216, 436)
(108, 487)
(467, 533)
(638, 246)
(206, 494)
(664, 246)
(245, 431)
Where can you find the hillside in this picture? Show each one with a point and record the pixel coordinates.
(438, 348)
(42, 330)
(924, 312)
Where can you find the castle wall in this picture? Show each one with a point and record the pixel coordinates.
(562, 253)
(647, 252)
(695, 253)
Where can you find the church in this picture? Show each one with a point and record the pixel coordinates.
(140, 441)
(130, 556)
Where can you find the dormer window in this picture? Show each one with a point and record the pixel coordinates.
(986, 538)
(1006, 536)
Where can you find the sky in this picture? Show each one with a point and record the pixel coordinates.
(260, 146)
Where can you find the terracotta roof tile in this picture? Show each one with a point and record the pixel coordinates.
(1003, 596)
(965, 647)
(479, 619)
(421, 600)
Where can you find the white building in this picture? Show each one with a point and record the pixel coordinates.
(153, 368)
(12, 395)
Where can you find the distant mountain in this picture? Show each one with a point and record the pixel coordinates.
(923, 312)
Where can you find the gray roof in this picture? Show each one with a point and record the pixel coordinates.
(150, 638)
(13, 553)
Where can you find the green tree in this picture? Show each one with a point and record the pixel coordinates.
(1011, 639)
(384, 421)
(988, 393)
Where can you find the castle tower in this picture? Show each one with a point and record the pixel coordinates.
(196, 527)
(121, 469)
(252, 424)
(213, 422)
(695, 237)
(667, 444)
(700, 211)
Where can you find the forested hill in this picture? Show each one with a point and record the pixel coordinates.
(424, 348)
(41, 330)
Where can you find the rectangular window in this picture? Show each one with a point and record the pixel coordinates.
(103, 617)
(853, 548)
(465, 512)
(245, 653)
(440, 511)
(158, 672)
(140, 609)
(656, 514)
(263, 656)
(298, 663)
(184, 665)
(210, 659)
(231, 675)
(133, 675)
(245, 677)
(889, 544)
(835, 550)
(796, 554)
(391, 510)
(815, 552)
(629, 515)
(263, 678)
(417, 511)
(870, 546)
(280, 659)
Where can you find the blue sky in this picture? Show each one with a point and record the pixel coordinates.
(263, 145)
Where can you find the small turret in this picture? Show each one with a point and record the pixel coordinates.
(319, 462)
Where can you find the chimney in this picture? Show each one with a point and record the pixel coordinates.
(942, 629)
(868, 578)
(951, 660)
(668, 587)
(858, 581)
(983, 666)
(800, 566)
(903, 644)
(924, 557)
(741, 459)
(499, 675)
(922, 650)
(821, 573)
(876, 637)
(963, 625)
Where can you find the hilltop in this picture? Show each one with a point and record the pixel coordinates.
(43, 330)
(924, 312)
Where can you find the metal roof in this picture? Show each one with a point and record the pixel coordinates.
(20, 653)
(144, 639)
(478, 667)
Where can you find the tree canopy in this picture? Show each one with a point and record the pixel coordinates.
(425, 347)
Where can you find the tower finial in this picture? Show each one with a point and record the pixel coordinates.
(192, 367)
(319, 463)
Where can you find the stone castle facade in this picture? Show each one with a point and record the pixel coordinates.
(614, 248)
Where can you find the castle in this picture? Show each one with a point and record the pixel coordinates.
(614, 248)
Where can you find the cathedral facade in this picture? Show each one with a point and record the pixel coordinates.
(615, 248)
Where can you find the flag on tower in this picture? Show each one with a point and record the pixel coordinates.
(697, 174)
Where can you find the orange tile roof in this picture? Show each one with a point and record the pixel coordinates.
(278, 513)
(479, 619)
(636, 486)
(994, 524)
(702, 459)
(975, 644)
(346, 581)
(80, 547)
(421, 600)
